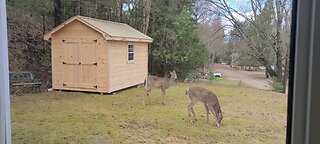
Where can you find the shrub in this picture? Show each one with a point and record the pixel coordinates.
(211, 75)
(276, 85)
(189, 78)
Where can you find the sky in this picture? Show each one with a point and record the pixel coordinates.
(241, 6)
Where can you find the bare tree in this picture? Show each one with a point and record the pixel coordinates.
(267, 39)
(278, 47)
(146, 16)
(57, 12)
(211, 33)
(78, 8)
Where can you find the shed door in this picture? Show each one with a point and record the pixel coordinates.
(70, 64)
(79, 64)
(88, 67)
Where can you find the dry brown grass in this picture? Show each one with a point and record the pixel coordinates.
(250, 116)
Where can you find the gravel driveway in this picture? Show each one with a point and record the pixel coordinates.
(255, 79)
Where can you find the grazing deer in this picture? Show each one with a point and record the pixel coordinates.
(210, 101)
(158, 82)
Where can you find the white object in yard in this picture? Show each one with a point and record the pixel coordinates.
(50, 89)
(262, 67)
(217, 74)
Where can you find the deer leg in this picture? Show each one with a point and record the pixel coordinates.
(191, 111)
(163, 91)
(148, 96)
(213, 112)
(194, 114)
(143, 96)
(146, 93)
(143, 99)
(207, 110)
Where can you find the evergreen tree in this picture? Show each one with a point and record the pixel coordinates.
(190, 52)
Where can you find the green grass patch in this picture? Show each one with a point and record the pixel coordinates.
(250, 116)
(221, 82)
(226, 82)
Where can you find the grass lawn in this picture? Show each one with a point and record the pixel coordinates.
(250, 116)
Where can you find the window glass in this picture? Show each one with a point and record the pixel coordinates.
(130, 52)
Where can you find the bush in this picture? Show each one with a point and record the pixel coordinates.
(191, 77)
(211, 75)
(276, 85)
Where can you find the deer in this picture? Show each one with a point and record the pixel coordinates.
(210, 101)
(161, 83)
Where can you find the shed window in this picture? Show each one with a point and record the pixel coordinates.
(130, 53)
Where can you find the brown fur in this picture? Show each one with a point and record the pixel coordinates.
(161, 83)
(210, 101)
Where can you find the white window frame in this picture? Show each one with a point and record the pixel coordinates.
(129, 52)
(303, 111)
(304, 94)
(5, 122)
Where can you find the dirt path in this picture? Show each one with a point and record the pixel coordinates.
(253, 79)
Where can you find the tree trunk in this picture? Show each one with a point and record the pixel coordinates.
(78, 8)
(287, 46)
(285, 76)
(43, 23)
(266, 71)
(57, 12)
(121, 11)
(268, 68)
(271, 72)
(279, 65)
(279, 51)
(286, 72)
(146, 16)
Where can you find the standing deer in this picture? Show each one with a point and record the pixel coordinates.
(161, 83)
(210, 101)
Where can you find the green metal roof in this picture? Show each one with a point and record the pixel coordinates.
(115, 29)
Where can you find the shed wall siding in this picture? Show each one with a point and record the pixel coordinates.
(124, 74)
(85, 37)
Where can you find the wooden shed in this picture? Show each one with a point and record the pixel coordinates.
(96, 55)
